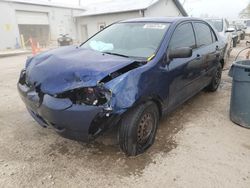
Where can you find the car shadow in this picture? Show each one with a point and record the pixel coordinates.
(106, 147)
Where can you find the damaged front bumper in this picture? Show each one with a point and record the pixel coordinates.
(74, 121)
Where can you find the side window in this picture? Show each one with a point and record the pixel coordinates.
(183, 37)
(227, 24)
(203, 34)
(213, 36)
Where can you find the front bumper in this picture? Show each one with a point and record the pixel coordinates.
(78, 122)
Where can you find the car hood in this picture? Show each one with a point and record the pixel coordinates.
(71, 67)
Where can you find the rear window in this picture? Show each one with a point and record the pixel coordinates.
(217, 23)
(248, 23)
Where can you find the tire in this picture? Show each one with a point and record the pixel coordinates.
(213, 86)
(234, 42)
(132, 139)
(242, 37)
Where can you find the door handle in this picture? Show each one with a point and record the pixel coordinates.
(198, 56)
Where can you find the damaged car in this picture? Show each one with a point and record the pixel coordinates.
(222, 27)
(129, 75)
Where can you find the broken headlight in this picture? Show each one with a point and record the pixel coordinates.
(90, 96)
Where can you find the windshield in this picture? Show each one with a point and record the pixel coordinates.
(248, 23)
(129, 39)
(217, 23)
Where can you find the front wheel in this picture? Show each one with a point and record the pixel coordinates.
(213, 86)
(138, 128)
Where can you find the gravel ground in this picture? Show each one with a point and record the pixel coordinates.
(196, 146)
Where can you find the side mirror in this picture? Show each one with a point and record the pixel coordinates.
(183, 52)
(230, 29)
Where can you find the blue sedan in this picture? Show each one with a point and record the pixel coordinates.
(129, 75)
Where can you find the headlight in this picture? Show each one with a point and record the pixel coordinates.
(90, 96)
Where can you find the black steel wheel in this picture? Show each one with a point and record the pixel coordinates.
(137, 128)
(145, 128)
(213, 86)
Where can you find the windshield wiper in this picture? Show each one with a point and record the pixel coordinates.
(112, 53)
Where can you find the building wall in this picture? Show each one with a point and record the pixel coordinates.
(163, 8)
(8, 26)
(93, 22)
(61, 21)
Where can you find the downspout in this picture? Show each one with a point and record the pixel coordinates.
(142, 13)
(75, 22)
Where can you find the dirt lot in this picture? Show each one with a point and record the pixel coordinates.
(196, 146)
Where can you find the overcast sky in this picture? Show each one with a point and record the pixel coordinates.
(215, 8)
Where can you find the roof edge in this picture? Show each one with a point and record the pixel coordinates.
(176, 2)
(121, 11)
(180, 7)
(46, 4)
(103, 13)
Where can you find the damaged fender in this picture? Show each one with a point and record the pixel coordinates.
(133, 87)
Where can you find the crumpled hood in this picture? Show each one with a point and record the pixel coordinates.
(70, 67)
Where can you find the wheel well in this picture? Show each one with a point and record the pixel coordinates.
(155, 99)
(159, 106)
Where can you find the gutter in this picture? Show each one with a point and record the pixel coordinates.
(105, 13)
(142, 12)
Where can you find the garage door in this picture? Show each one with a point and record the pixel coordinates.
(32, 18)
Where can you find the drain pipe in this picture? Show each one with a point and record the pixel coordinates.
(142, 13)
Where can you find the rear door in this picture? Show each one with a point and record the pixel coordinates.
(209, 50)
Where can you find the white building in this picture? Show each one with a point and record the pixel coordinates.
(41, 20)
(44, 21)
(102, 14)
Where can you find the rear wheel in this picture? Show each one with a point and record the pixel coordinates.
(138, 129)
(213, 86)
(242, 37)
(234, 42)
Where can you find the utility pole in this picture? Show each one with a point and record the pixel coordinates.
(80, 2)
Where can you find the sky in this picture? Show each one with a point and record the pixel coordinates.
(212, 8)
(215, 8)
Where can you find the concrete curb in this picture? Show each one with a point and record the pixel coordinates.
(14, 53)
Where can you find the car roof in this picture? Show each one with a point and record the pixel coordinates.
(162, 19)
(210, 19)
